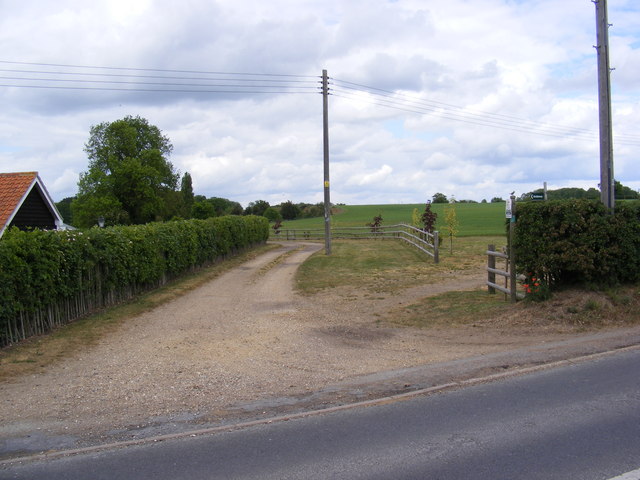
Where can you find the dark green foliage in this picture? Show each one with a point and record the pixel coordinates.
(568, 193)
(50, 278)
(623, 192)
(202, 209)
(64, 207)
(186, 191)
(256, 208)
(130, 179)
(289, 210)
(272, 214)
(440, 198)
(578, 242)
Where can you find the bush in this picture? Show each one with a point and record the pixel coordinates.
(50, 278)
(578, 242)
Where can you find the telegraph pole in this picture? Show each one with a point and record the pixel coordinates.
(325, 134)
(607, 190)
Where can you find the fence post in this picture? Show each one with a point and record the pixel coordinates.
(491, 263)
(436, 257)
(512, 251)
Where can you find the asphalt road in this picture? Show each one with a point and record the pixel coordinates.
(580, 421)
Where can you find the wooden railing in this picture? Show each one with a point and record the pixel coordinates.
(424, 241)
(509, 274)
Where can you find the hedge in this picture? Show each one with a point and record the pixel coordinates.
(578, 242)
(49, 278)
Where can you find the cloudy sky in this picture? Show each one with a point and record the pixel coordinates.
(471, 98)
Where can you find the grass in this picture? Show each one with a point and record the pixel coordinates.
(451, 309)
(382, 265)
(377, 269)
(475, 219)
(38, 352)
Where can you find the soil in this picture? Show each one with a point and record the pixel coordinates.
(245, 345)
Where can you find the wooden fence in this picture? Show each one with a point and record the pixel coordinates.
(510, 278)
(424, 241)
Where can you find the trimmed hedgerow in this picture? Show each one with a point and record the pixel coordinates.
(578, 242)
(50, 278)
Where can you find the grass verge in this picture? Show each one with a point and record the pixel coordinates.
(387, 267)
(38, 352)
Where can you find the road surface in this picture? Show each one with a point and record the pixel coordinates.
(578, 421)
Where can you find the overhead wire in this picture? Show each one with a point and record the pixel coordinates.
(82, 77)
(57, 76)
(417, 105)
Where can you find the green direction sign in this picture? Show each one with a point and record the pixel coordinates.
(537, 196)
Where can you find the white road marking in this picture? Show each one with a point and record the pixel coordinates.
(635, 475)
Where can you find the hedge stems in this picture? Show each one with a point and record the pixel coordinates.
(48, 279)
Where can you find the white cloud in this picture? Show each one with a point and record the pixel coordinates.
(450, 74)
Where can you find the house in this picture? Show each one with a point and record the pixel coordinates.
(25, 203)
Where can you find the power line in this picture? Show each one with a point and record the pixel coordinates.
(79, 77)
(155, 69)
(55, 76)
(416, 105)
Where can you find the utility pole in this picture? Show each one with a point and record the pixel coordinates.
(607, 191)
(325, 134)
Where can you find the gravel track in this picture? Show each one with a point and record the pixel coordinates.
(245, 338)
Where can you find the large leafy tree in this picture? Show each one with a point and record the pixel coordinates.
(130, 179)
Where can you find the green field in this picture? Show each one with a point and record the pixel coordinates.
(475, 219)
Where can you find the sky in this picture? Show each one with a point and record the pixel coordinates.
(470, 98)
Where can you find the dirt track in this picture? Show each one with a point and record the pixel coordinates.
(240, 343)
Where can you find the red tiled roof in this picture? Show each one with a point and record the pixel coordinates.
(13, 188)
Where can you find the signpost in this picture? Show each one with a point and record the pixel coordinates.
(537, 196)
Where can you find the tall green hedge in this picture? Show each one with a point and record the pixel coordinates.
(578, 242)
(50, 278)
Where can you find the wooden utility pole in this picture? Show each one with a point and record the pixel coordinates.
(325, 134)
(607, 191)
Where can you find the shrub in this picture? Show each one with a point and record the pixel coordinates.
(578, 242)
(50, 278)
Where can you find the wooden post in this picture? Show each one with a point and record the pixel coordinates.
(512, 253)
(436, 256)
(607, 189)
(491, 263)
(325, 137)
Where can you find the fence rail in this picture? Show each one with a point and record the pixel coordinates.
(510, 282)
(424, 241)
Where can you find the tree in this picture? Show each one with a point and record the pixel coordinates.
(130, 179)
(429, 219)
(440, 198)
(451, 221)
(202, 209)
(415, 218)
(272, 214)
(64, 207)
(497, 200)
(289, 210)
(256, 208)
(376, 223)
(186, 189)
(623, 192)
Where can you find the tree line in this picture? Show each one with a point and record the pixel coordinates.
(622, 192)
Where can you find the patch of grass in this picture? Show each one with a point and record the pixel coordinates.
(451, 308)
(385, 265)
(592, 305)
(36, 353)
